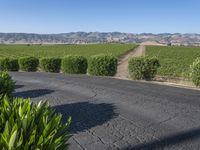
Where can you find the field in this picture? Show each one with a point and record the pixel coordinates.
(16, 51)
(175, 61)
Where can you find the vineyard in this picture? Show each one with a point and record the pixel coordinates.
(175, 61)
(16, 51)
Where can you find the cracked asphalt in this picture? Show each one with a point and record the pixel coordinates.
(116, 114)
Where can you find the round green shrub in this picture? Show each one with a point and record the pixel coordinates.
(25, 125)
(74, 64)
(151, 68)
(29, 64)
(7, 85)
(136, 67)
(9, 64)
(195, 72)
(50, 64)
(143, 67)
(102, 65)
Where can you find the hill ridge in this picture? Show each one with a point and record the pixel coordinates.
(188, 39)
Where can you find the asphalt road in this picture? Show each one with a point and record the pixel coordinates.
(117, 114)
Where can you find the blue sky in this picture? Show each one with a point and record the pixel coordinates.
(135, 16)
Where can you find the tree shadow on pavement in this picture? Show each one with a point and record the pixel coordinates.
(86, 115)
(33, 93)
(171, 140)
(18, 86)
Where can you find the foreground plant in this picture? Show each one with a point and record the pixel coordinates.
(28, 126)
(7, 85)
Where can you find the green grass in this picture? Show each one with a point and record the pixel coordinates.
(16, 51)
(175, 61)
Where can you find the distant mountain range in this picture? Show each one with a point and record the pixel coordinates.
(99, 37)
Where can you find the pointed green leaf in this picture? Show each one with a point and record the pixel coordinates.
(12, 139)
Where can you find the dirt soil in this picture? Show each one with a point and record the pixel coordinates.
(152, 43)
(122, 70)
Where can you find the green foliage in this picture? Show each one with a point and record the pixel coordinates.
(9, 64)
(86, 50)
(195, 72)
(175, 61)
(136, 67)
(143, 67)
(102, 65)
(29, 64)
(74, 64)
(151, 68)
(28, 126)
(7, 86)
(50, 64)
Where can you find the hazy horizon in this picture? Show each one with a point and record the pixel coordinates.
(126, 16)
(93, 32)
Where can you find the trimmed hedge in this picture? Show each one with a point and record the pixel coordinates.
(74, 64)
(9, 64)
(29, 64)
(143, 67)
(50, 64)
(25, 125)
(102, 65)
(7, 85)
(152, 65)
(195, 72)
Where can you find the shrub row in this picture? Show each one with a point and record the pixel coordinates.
(195, 72)
(7, 64)
(50, 64)
(74, 64)
(25, 64)
(29, 64)
(102, 65)
(146, 68)
(143, 68)
(27, 125)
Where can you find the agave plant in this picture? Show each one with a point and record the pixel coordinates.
(25, 125)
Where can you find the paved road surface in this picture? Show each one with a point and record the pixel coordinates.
(115, 114)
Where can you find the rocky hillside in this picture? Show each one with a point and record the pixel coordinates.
(98, 37)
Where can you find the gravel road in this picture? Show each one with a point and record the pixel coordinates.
(116, 114)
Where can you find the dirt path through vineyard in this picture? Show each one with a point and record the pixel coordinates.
(122, 69)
